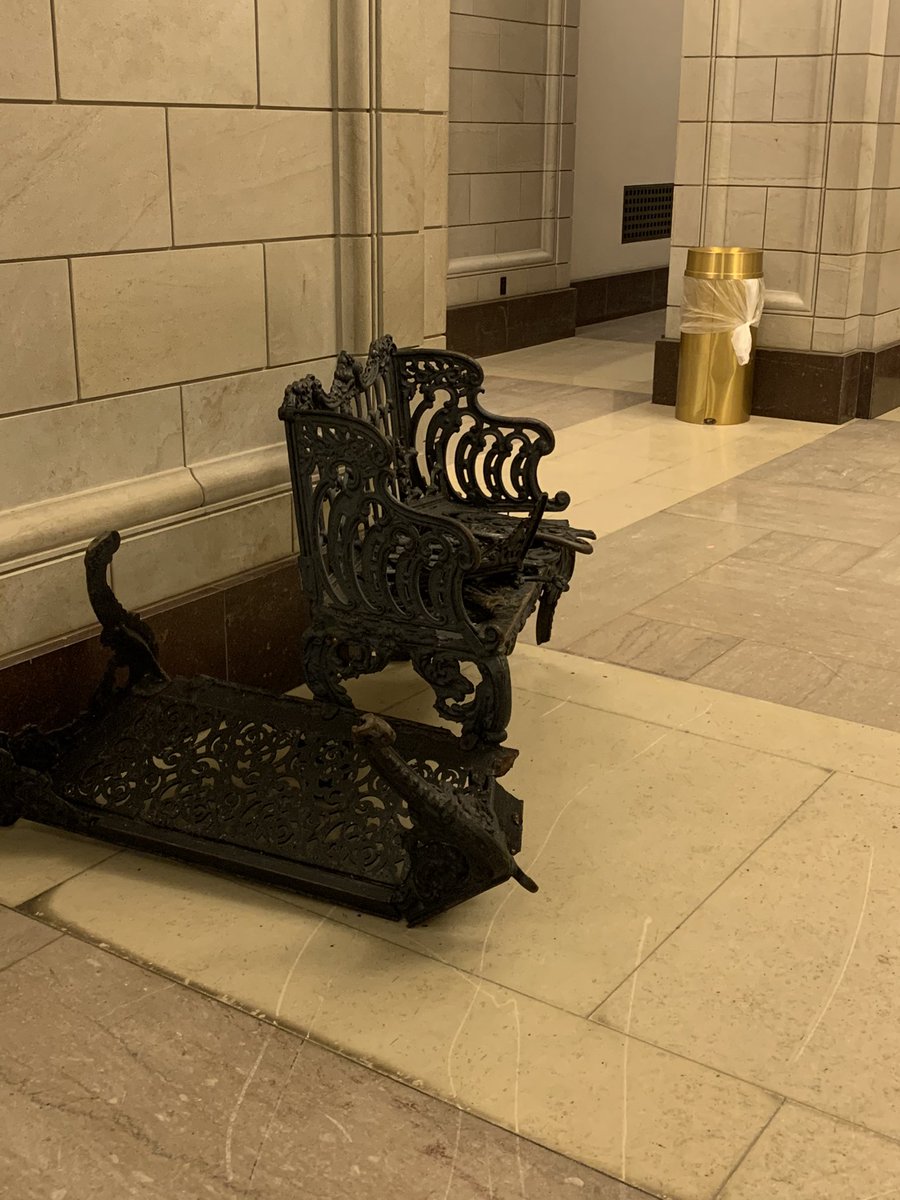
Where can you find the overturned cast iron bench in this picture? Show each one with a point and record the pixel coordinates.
(397, 820)
(422, 529)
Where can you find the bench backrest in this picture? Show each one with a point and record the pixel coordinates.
(383, 431)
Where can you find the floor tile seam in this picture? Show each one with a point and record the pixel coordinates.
(31, 953)
(742, 1158)
(774, 457)
(715, 736)
(705, 735)
(666, 591)
(371, 1066)
(635, 971)
(22, 905)
(873, 661)
(783, 1097)
(126, 955)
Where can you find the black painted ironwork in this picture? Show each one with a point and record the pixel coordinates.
(399, 820)
(422, 529)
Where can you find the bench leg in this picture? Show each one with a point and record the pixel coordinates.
(483, 709)
(322, 668)
(550, 594)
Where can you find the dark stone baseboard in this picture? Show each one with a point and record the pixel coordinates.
(511, 323)
(247, 631)
(609, 297)
(805, 385)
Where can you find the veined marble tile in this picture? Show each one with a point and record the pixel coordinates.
(882, 567)
(777, 154)
(735, 216)
(248, 174)
(436, 150)
(744, 89)
(190, 1094)
(698, 28)
(90, 445)
(805, 553)
(403, 179)
(805, 1002)
(792, 219)
(37, 356)
(435, 281)
(580, 363)
(27, 71)
(182, 558)
(775, 673)
(201, 53)
(807, 28)
(295, 54)
(41, 603)
(20, 936)
(34, 858)
(654, 646)
(302, 299)
(866, 520)
(857, 87)
(802, 88)
(240, 412)
(636, 564)
(855, 620)
(619, 509)
(150, 319)
(403, 268)
(76, 179)
(554, 1077)
(852, 157)
(693, 101)
(828, 742)
(806, 1155)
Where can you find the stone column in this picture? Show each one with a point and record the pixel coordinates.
(787, 132)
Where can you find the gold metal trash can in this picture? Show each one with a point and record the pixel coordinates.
(721, 310)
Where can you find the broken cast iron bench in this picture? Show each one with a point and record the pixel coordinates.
(397, 820)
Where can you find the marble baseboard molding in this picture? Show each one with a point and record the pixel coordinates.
(36, 532)
(246, 630)
(511, 323)
(803, 385)
(609, 297)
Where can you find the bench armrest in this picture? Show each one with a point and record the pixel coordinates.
(470, 453)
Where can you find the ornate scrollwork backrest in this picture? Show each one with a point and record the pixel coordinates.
(362, 552)
(364, 391)
(435, 389)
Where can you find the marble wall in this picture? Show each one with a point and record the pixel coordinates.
(198, 203)
(788, 139)
(513, 67)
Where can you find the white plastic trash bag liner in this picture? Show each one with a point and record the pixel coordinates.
(732, 306)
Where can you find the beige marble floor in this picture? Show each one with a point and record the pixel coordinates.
(703, 998)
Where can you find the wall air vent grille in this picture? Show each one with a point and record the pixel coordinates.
(647, 212)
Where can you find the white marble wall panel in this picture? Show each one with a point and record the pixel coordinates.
(27, 70)
(234, 414)
(157, 51)
(295, 59)
(228, 187)
(42, 603)
(193, 554)
(301, 299)
(82, 179)
(244, 174)
(149, 319)
(512, 112)
(37, 352)
(90, 445)
(798, 152)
